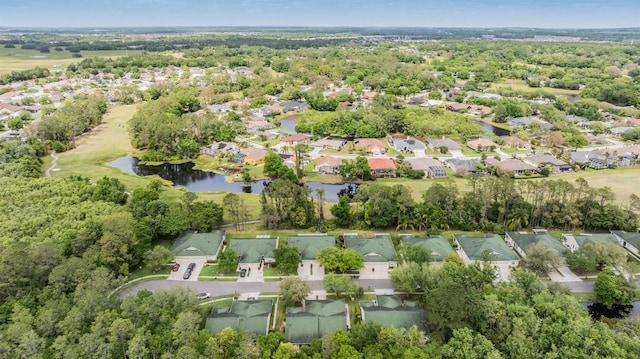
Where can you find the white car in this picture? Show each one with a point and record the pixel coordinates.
(203, 295)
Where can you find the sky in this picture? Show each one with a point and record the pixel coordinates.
(326, 13)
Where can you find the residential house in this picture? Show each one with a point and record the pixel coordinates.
(541, 160)
(436, 143)
(271, 134)
(382, 167)
(437, 245)
(297, 139)
(251, 316)
(432, 168)
(315, 319)
(219, 108)
(220, 148)
(527, 121)
(463, 167)
(289, 106)
(244, 70)
(482, 145)
(331, 143)
(255, 126)
(254, 252)
(511, 166)
(458, 107)
(378, 252)
(328, 165)
(480, 248)
(390, 310)
(254, 156)
(408, 144)
(588, 158)
(633, 122)
(416, 101)
(370, 145)
(515, 142)
(575, 241)
(630, 241)
(308, 246)
(522, 241)
(202, 246)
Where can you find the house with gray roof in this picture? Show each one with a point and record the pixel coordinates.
(630, 241)
(575, 241)
(527, 121)
(462, 166)
(478, 248)
(254, 250)
(588, 158)
(332, 143)
(288, 106)
(542, 160)
(437, 245)
(408, 144)
(511, 166)
(315, 319)
(252, 316)
(390, 310)
(195, 245)
(435, 144)
(522, 241)
(432, 168)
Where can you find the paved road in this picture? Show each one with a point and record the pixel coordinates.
(224, 288)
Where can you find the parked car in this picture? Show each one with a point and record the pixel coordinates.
(203, 295)
(243, 273)
(191, 266)
(187, 274)
(176, 267)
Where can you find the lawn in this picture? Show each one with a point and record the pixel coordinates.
(18, 59)
(522, 86)
(146, 271)
(214, 271)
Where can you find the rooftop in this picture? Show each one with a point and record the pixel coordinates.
(390, 310)
(437, 244)
(525, 240)
(193, 244)
(251, 250)
(477, 246)
(381, 163)
(376, 249)
(310, 244)
(583, 239)
(632, 238)
(252, 316)
(320, 317)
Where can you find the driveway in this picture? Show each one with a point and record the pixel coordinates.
(184, 263)
(503, 272)
(563, 274)
(254, 274)
(375, 271)
(310, 270)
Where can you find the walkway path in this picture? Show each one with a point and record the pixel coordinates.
(47, 173)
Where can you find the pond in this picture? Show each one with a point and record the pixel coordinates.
(183, 175)
(598, 310)
(289, 123)
(490, 128)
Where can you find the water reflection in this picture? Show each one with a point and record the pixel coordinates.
(489, 128)
(183, 175)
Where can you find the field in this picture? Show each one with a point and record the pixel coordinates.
(522, 86)
(17, 59)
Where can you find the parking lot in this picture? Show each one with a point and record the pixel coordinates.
(184, 263)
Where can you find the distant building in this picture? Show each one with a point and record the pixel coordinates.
(437, 245)
(485, 247)
(522, 241)
(203, 245)
(431, 167)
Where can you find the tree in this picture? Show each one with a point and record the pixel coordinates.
(15, 124)
(339, 285)
(611, 288)
(228, 260)
(157, 258)
(287, 259)
(110, 190)
(340, 260)
(541, 258)
(206, 215)
(231, 203)
(293, 290)
(415, 253)
(342, 212)
(465, 344)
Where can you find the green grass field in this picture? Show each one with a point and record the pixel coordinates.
(522, 86)
(18, 59)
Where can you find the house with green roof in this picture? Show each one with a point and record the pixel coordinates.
(316, 319)
(477, 248)
(252, 316)
(522, 241)
(310, 244)
(378, 253)
(198, 245)
(254, 250)
(437, 245)
(575, 241)
(630, 241)
(390, 310)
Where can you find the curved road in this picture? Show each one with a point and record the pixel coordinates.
(225, 288)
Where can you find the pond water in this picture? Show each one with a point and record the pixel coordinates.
(183, 175)
(598, 310)
(490, 128)
(288, 125)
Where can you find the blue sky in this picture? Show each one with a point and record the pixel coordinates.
(414, 13)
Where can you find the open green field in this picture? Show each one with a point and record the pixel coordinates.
(522, 86)
(18, 59)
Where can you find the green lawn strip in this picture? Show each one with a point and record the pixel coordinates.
(146, 271)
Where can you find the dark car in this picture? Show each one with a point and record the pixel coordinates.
(191, 266)
(176, 267)
(187, 274)
(243, 273)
